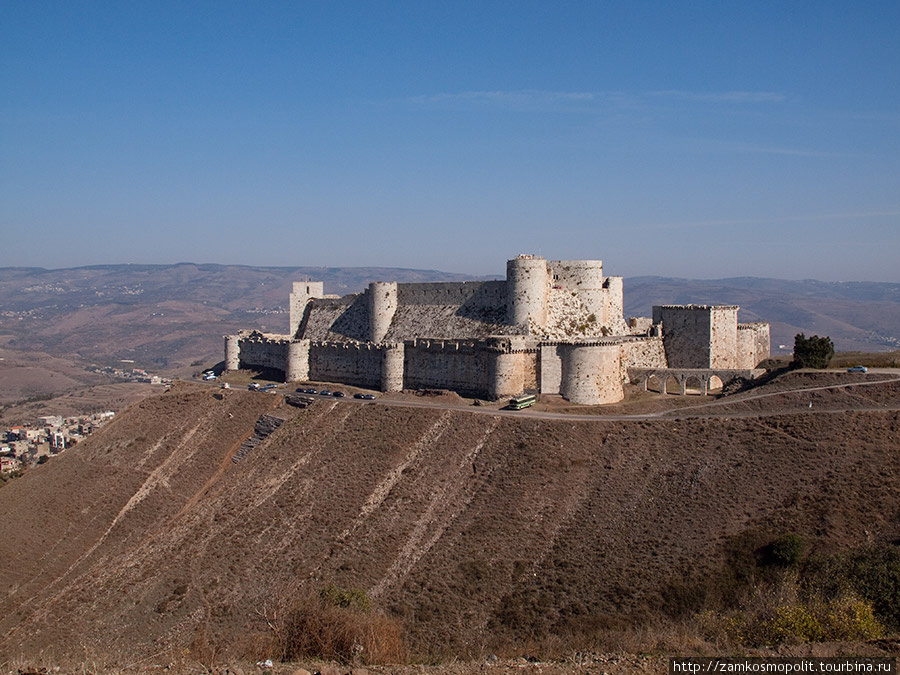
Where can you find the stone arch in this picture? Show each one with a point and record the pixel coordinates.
(672, 385)
(715, 383)
(694, 384)
(654, 382)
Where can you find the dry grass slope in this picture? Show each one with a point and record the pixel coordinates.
(474, 532)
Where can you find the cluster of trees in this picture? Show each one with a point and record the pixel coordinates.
(812, 352)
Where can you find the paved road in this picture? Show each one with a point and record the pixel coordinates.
(685, 412)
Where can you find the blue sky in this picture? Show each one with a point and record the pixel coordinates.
(692, 139)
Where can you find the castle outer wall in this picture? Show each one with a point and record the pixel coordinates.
(555, 327)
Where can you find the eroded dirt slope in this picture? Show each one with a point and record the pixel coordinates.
(474, 529)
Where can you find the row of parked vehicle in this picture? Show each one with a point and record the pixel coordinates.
(256, 386)
(336, 394)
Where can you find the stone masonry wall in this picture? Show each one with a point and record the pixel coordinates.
(686, 334)
(752, 344)
(723, 337)
(551, 369)
(438, 364)
(591, 373)
(339, 320)
(530, 362)
(478, 295)
(357, 364)
(263, 350)
(615, 305)
(642, 352)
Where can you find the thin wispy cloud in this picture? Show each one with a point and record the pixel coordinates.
(722, 96)
(526, 98)
(523, 100)
(509, 97)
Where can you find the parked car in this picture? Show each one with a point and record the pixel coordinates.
(369, 397)
(324, 392)
(253, 386)
(209, 376)
(338, 394)
(358, 395)
(268, 387)
(857, 369)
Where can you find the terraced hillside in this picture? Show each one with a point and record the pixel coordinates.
(475, 530)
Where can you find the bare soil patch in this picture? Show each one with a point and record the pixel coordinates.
(480, 534)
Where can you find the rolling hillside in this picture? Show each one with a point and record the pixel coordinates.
(858, 316)
(168, 317)
(472, 529)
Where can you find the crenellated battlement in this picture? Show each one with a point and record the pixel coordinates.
(555, 327)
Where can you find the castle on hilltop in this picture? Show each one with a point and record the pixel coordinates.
(552, 327)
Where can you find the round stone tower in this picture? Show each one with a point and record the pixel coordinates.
(382, 307)
(392, 358)
(505, 375)
(591, 373)
(527, 283)
(297, 367)
(232, 352)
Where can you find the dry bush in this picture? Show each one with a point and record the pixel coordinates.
(782, 614)
(315, 625)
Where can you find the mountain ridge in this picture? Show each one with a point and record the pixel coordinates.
(166, 317)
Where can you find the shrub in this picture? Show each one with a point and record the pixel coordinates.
(786, 551)
(339, 625)
(347, 598)
(793, 624)
(871, 573)
(775, 621)
(849, 618)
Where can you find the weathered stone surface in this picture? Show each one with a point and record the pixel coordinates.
(552, 326)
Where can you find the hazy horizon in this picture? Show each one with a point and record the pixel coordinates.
(493, 275)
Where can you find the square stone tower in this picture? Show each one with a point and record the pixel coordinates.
(699, 336)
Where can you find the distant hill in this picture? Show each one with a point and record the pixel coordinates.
(162, 316)
(166, 317)
(858, 316)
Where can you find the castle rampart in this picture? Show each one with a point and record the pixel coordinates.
(347, 363)
(555, 327)
(263, 351)
(438, 364)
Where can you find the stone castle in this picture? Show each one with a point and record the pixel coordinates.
(552, 327)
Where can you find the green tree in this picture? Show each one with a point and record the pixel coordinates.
(812, 352)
